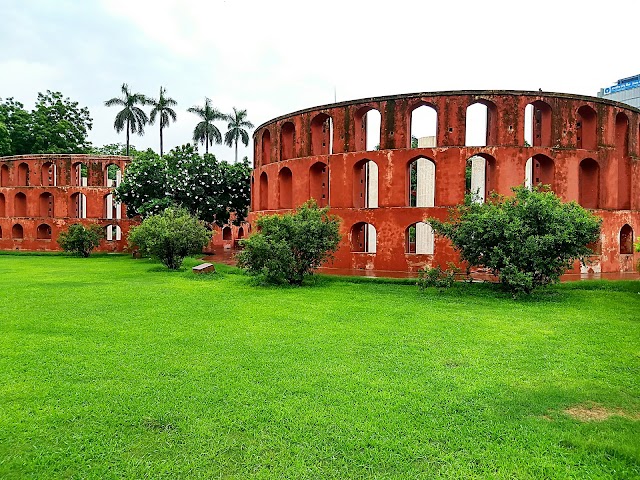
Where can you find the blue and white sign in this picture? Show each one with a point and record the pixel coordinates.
(622, 86)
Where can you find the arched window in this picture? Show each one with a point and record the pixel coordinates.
(266, 147)
(589, 183)
(363, 238)
(481, 124)
(264, 191)
(46, 205)
(367, 129)
(113, 233)
(17, 233)
(78, 205)
(43, 232)
(80, 175)
(112, 175)
(20, 205)
(421, 182)
(586, 127)
(419, 239)
(626, 240)
(3, 207)
(319, 183)
(537, 124)
(539, 170)
(424, 126)
(112, 208)
(285, 188)
(365, 184)
(23, 175)
(240, 233)
(226, 234)
(321, 135)
(0, 231)
(287, 140)
(624, 162)
(48, 175)
(479, 173)
(4, 176)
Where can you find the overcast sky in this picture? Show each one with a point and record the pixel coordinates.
(274, 57)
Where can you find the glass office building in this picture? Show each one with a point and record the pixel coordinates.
(626, 90)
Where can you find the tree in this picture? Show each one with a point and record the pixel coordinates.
(206, 132)
(80, 240)
(291, 246)
(162, 109)
(5, 140)
(59, 125)
(528, 240)
(170, 236)
(211, 190)
(131, 118)
(18, 124)
(238, 124)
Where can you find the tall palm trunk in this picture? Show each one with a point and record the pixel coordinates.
(206, 143)
(127, 137)
(236, 151)
(161, 139)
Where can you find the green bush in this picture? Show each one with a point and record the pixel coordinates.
(291, 246)
(528, 239)
(437, 277)
(170, 236)
(81, 240)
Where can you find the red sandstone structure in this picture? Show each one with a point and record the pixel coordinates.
(40, 195)
(585, 148)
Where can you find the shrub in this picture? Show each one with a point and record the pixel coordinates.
(80, 240)
(291, 246)
(528, 240)
(170, 236)
(437, 277)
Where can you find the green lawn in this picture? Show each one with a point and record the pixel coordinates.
(116, 368)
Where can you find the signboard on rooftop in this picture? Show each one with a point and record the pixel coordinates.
(622, 86)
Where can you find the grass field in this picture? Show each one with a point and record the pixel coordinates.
(116, 368)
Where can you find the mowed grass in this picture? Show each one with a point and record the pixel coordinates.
(116, 368)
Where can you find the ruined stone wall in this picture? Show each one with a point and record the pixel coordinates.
(40, 195)
(586, 148)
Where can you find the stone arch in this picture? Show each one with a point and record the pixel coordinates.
(43, 232)
(481, 123)
(79, 175)
(421, 182)
(589, 183)
(240, 233)
(540, 169)
(319, 183)
(266, 146)
(48, 175)
(45, 205)
(113, 233)
(4, 176)
(285, 188)
(287, 140)
(20, 205)
(0, 231)
(480, 176)
(23, 175)
(626, 240)
(364, 139)
(623, 160)
(423, 118)
(363, 238)
(538, 124)
(78, 205)
(419, 238)
(365, 184)
(226, 233)
(3, 206)
(264, 191)
(321, 135)
(112, 209)
(112, 175)
(586, 128)
(17, 232)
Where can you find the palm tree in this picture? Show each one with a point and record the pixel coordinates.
(131, 118)
(236, 129)
(206, 132)
(162, 108)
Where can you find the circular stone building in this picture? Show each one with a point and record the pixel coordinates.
(40, 195)
(585, 148)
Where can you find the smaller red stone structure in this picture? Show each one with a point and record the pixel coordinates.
(40, 195)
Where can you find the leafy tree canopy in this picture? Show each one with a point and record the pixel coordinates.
(209, 189)
(170, 236)
(80, 240)
(291, 246)
(528, 239)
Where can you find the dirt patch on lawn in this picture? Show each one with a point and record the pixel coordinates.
(597, 413)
